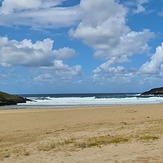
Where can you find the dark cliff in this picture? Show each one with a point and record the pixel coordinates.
(154, 91)
(7, 99)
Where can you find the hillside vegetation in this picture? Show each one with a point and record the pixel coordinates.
(8, 99)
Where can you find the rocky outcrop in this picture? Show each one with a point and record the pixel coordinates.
(154, 91)
(7, 99)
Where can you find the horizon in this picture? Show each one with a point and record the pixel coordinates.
(81, 93)
(76, 46)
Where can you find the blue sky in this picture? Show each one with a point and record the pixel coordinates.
(80, 46)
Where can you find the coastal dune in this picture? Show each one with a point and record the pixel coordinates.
(130, 133)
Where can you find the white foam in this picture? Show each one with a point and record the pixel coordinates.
(89, 101)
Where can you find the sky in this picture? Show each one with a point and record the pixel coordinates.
(80, 46)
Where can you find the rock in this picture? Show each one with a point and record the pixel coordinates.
(7, 99)
(154, 91)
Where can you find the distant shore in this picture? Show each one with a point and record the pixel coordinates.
(130, 133)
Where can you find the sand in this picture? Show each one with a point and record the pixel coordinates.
(125, 134)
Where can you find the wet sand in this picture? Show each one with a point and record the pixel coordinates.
(132, 133)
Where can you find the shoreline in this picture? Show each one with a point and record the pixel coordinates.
(41, 107)
(68, 134)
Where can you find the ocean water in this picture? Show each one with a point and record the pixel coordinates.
(72, 100)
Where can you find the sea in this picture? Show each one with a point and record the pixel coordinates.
(87, 99)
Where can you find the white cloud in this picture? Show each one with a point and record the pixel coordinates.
(13, 52)
(127, 45)
(65, 53)
(39, 55)
(60, 71)
(109, 70)
(45, 78)
(59, 66)
(106, 30)
(38, 14)
(156, 62)
(140, 8)
(102, 23)
(138, 5)
(105, 70)
(103, 27)
(10, 6)
(112, 75)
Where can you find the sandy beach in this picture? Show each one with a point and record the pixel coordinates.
(132, 133)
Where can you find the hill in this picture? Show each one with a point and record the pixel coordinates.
(154, 91)
(8, 99)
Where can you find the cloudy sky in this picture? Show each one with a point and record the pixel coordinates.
(80, 46)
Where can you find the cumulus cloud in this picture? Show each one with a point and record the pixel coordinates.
(102, 23)
(13, 52)
(65, 53)
(26, 53)
(112, 75)
(127, 45)
(103, 27)
(59, 70)
(105, 70)
(39, 54)
(156, 62)
(38, 13)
